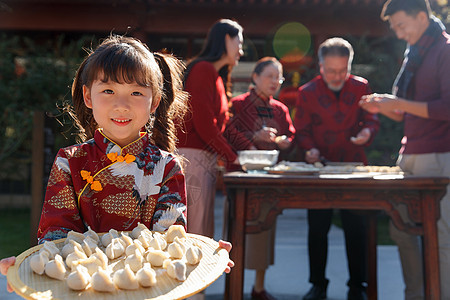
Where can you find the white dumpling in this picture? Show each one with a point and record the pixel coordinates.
(177, 269)
(126, 240)
(90, 263)
(76, 236)
(135, 261)
(51, 248)
(92, 234)
(69, 248)
(89, 245)
(107, 237)
(193, 255)
(77, 254)
(56, 268)
(38, 261)
(138, 229)
(146, 276)
(136, 246)
(102, 259)
(78, 279)
(125, 279)
(177, 248)
(173, 231)
(145, 237)
(115, 249)
(158, 242)
(101, 281)
(156, 257)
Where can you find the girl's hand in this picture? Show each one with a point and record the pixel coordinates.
(227, 246)
(4, 266)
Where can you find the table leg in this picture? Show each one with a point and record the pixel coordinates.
(372, 283)
(234, 289)
(430, 250)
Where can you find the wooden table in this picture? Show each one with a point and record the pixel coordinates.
(421, 195)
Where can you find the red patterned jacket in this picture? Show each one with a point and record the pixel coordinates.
(326, 122)
(101, 185)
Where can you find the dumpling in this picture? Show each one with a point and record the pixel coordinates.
(177, 248)
(126, 240)
(145, 237)
(76, 236)
(102, 282)
(51, 248)
(158, 242)
(107, 237)
(156, 257)
(55, 268)
(102, 259)
(193, 255)
(146, 276)
(89, 245)
(92, 234)
(173, 231)
(77, 254)
(78, 279)
(69, 248)
(176, 269)
(38, 261)
(125, 279)
(131, 249)
(115, 249)
(91, 264)
(135, 261)
(138, 229)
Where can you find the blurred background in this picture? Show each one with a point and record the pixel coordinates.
(42, 43)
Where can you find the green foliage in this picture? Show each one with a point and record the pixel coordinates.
(14, 231)
(33, 77)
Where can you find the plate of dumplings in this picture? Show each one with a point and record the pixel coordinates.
(137, 264)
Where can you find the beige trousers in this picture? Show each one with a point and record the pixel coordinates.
(409, 246)
(200, 173)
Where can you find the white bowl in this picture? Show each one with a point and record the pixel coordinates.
(257, 159)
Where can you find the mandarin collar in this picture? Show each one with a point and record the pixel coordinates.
(108, 146)
(255, 94)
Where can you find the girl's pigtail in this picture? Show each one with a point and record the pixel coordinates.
(173, 102)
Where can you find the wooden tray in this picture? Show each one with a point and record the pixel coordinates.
(292, 172)
(30, 285)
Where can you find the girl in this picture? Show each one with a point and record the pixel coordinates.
(124, 99)
(261, 122)
(201, 141)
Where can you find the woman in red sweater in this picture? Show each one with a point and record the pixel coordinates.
(200, 140)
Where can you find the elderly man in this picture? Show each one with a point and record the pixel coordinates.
(421, 98)
(331, 125)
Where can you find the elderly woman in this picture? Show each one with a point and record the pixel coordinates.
(260, 122)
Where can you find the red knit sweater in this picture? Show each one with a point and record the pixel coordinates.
(205, 123)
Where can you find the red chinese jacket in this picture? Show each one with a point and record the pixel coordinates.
(104, 186)
(326, 122)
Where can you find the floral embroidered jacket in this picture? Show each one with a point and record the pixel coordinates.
(101, 185)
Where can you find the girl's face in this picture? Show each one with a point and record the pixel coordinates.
(121, 109)
(234, 49)
(269, 80)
